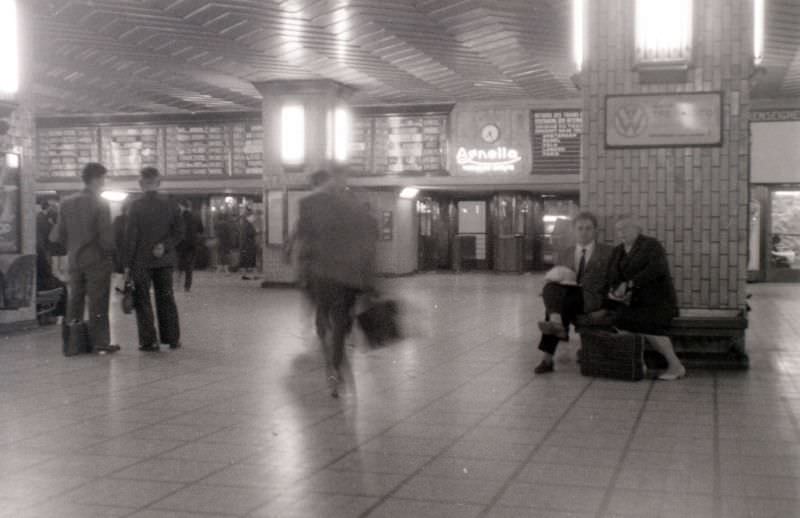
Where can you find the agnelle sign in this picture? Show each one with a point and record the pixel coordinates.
(498, 160)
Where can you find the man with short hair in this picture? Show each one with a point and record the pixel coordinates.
(589, 260)
(152, 234)
(84, 229)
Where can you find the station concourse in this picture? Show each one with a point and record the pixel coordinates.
(471, 135)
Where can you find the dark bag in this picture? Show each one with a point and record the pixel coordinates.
(75, 339)
(612, 355)
(127, 298)
(380, 322)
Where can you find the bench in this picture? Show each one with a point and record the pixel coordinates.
(703, 338)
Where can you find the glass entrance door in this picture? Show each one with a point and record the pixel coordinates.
(783, 245)
(472, 240)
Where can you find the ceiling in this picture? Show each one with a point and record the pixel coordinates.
(112, 56)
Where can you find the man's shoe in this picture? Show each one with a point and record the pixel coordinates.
(553, 328)
(107, 349)
(149, 348)
(544, 367)
(176, 345)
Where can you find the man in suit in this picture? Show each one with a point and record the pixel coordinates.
(187, 249)
(152, 234)
(589, 259)
(337, 239)
(84, 229)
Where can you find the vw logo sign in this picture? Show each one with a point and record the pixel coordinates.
(630, 120)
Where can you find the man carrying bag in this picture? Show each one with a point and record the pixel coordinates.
(84, 229)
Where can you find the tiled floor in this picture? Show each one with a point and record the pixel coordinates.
(450, 423)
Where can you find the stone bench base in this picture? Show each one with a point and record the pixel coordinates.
(709, 339)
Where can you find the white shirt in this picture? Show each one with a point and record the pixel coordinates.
(579, 251)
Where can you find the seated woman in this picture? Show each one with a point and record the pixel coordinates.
(642, 293)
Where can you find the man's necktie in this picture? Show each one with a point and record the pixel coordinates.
(581, 265)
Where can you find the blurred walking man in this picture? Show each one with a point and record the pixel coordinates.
(154, 229)
(84, 229)
(337, 239)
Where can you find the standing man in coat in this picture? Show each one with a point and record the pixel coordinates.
(337, 239)
(84, 229)
(154, 229)
(589, 260)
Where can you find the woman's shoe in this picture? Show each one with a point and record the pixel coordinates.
(672, 376)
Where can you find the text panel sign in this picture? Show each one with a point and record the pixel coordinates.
(664, 120)
(556, 136)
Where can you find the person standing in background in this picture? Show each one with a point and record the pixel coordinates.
(84, 229)
(249, 249)
(154, 229)
(187, 249)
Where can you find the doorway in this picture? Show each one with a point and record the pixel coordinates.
(783, 238)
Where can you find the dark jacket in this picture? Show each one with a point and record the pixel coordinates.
(193, 228)
(337, 239)
(84, 229)
(595, 274)
(153, 219)
(645, 265)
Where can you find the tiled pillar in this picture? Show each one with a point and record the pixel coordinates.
(693, 199)
(319, 99)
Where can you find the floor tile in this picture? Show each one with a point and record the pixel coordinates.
(169, 470)
(471, 491)
(216, 499)
(124, 493)
(553, 497)
(400, 508)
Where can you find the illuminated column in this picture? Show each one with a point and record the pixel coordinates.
(17, 136)
(300, 121)
(666, 111)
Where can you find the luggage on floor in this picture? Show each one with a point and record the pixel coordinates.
(612, 355)
(75, 339)
(379, 321)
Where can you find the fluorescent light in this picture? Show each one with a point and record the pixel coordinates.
(115, 195)
(758, 31)
(9, 59)
(552, 219)
(293, 138)
(341, 136)
(663, 31)
(12, 160)
(409, 193)
(577, 32)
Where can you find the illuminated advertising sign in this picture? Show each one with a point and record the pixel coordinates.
(497, 160)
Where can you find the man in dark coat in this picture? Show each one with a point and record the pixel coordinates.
(187, 249)
(642, 291)
(589, 259)
(337, 239)
(84, 229)
(152, 234)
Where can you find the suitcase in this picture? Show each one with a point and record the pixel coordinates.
(612, 355)
(75, 339)
(379, 322)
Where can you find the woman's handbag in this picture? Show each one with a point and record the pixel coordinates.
(612, 355)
